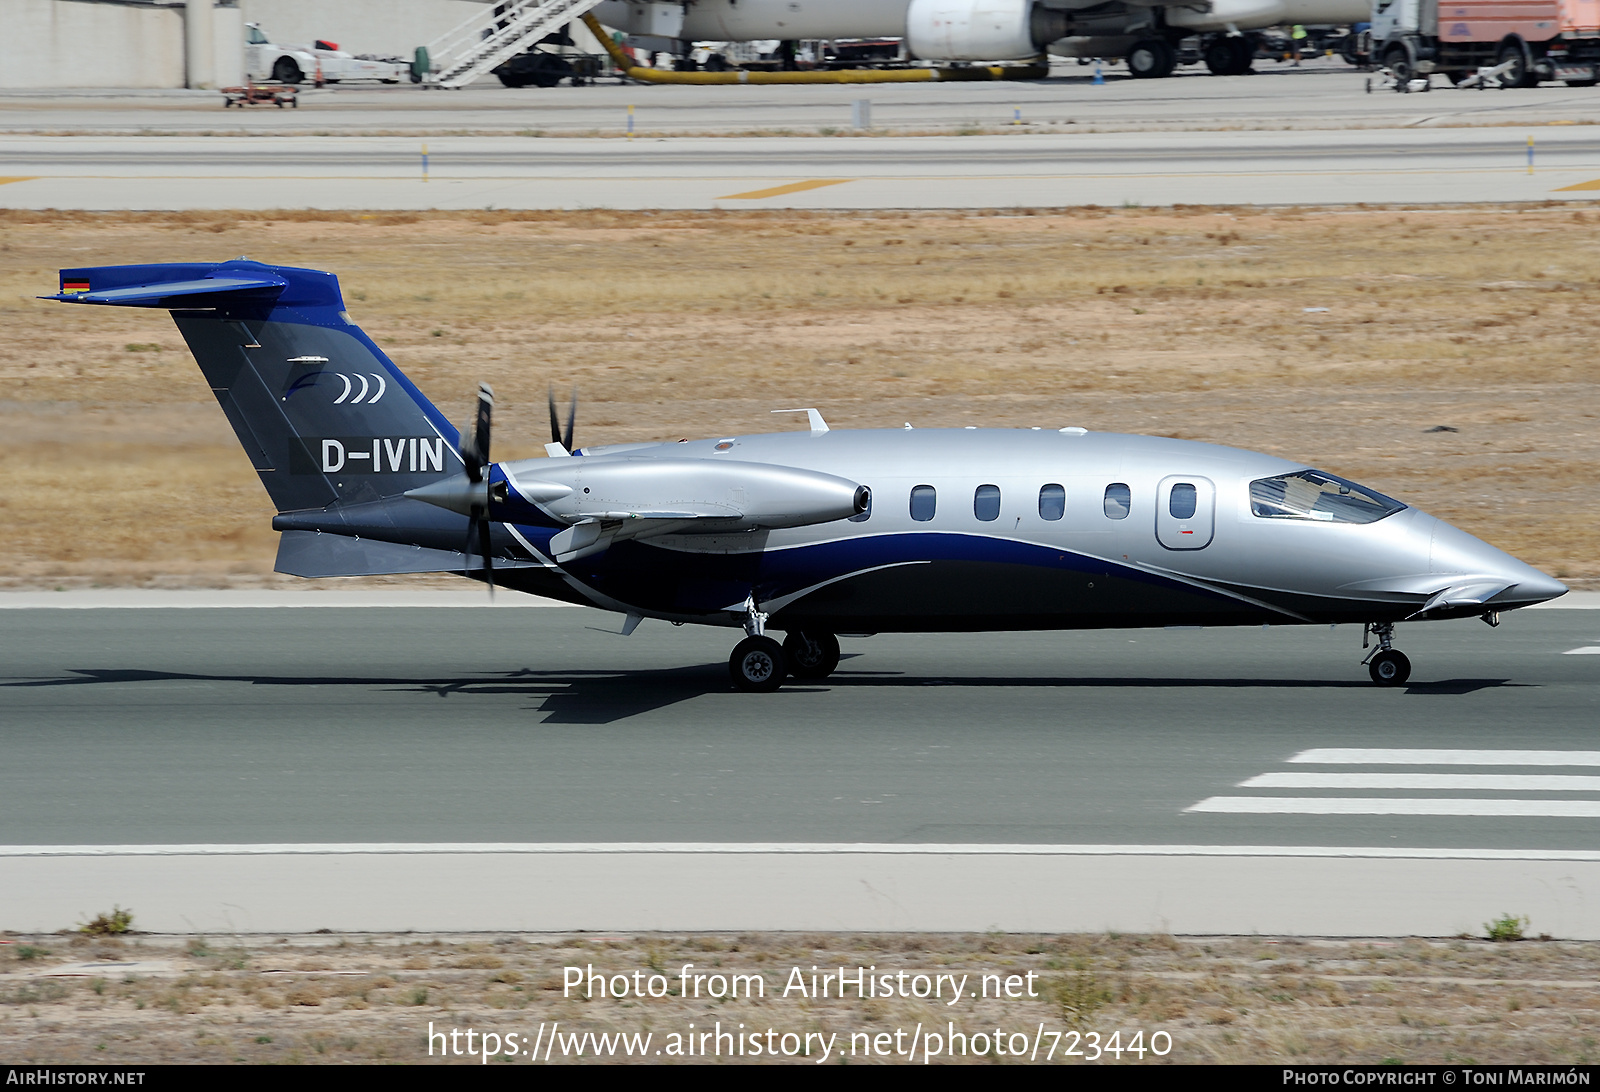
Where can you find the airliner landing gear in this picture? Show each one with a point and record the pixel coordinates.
(1388, 666)
(1151, 59)
(1229, 55)
(811, 655)
(758, 664)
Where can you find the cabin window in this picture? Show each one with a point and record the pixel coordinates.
(923, 502)
(1119, 498)
(1183, 501)
(1052, 502)
(1311, 494)
(866, 513)
(986, 503)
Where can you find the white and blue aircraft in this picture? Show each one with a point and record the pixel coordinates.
(812, 533)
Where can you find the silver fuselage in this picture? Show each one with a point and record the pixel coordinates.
(958, 571)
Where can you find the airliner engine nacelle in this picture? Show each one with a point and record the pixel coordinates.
(1223, 13)
(981, 30)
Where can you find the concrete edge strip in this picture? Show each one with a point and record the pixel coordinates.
(791, 848)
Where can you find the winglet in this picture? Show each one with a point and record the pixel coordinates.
(817, 423)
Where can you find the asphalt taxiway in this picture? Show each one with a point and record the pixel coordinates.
(982, 171)
(1312, 137)
(364, 768)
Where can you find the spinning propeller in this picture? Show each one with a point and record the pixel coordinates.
(471, 492)
(475, 460)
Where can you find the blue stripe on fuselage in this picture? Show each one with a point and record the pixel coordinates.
(680, 582)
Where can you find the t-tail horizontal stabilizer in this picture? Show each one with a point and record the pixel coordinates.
(326, 419)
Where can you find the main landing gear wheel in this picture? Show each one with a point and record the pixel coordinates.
(757, 665)
(1151, 59)
(1229, 56)
(1389, 668)
(811, 655)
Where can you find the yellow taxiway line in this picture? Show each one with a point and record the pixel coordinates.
(779, 191)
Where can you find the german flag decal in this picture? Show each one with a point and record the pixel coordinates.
(69, 288)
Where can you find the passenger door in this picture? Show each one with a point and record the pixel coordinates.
(1186, 508)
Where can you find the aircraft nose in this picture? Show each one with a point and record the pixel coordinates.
(1452, 550)
(1536, 587)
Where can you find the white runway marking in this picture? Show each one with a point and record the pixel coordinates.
(1586, 650)
(1401, 756)
(1485, 782)
(1338, 805)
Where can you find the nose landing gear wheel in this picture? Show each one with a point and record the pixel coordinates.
(811, 655)
(757, 665)
(1389, 668)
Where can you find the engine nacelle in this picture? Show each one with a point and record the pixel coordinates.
(981, 30)
(1242, 14)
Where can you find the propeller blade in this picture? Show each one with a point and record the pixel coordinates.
(480, 434)
(475, 460)
(475, 440)
(486, 553)
(555, 420)
(572, 418)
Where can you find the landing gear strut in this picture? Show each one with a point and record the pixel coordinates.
(1387, 665)
(758, 664)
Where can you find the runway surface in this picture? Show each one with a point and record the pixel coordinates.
(536, 726)
(1280, 138)
(256, 769)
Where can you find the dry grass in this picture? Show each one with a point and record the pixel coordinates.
(366, 998)
(1187, 322)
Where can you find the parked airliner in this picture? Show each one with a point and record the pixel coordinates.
(814, 532)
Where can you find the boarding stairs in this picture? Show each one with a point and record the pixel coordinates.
(496, 34)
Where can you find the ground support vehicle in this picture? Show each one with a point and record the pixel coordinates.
(538, 68)
(319, 63)
(1536, 39)
(256, 94)
(550, 60)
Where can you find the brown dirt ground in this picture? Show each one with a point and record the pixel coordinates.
(366, 998)
(116, 468)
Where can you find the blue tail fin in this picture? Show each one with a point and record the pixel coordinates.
(325, 418)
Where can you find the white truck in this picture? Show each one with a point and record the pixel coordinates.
(319, 63)
(1526, 40)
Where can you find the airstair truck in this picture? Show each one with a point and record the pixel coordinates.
(1535, 39)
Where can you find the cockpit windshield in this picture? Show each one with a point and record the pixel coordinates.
(1312, 494)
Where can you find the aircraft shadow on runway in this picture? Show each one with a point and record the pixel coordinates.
(594, 696)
